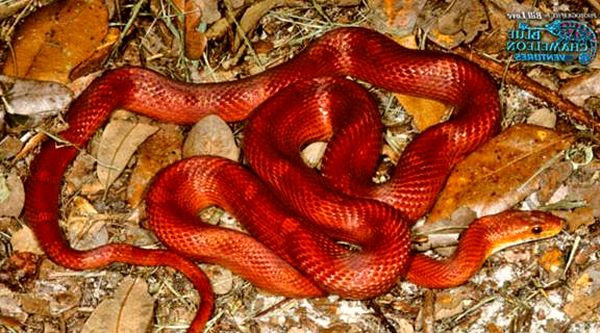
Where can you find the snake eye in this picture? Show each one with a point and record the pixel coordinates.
(536, 230)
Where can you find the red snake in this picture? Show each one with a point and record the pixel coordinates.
(295, 216)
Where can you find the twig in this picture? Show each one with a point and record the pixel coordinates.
(473, 309)
(379, 313)
(516, 77)
(273, 307)
(572, 255)
(428, 314)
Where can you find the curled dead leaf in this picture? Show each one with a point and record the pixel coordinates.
(95, 61)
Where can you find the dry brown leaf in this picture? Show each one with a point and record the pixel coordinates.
(457, 23)
(221, 279)
(451, 302)
(80, 173)
(161, 149)
(12, 195)
(577, 217)
(11, 306)
(31, 97)
(196, 13)
(24, 241)
(128, 311)
(95, 61)
(586, 295)
(501, 173)
(86, 231)
(35, 305)
(10, 146)
(211, 136)
(256, 11)
(584, 308)
(19, 269)
(120, 140)
(542, 117)
(586, 192)
(581, 88)
(493, 41)
(53, 295)
(56, 38)
(195, 41)
(401, 16)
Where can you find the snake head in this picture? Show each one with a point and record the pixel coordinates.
(513, 227)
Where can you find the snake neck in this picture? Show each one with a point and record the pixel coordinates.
(472, 251)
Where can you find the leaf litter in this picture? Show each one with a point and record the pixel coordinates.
(544, 286)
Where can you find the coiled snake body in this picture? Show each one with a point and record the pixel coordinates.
(294, 249)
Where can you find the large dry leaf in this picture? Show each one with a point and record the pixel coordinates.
(30, 97)
(95, 61)
(161, 149)
(211, 136)
(120, 140)
(56, 38)
(501, 173)
(128, 311)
